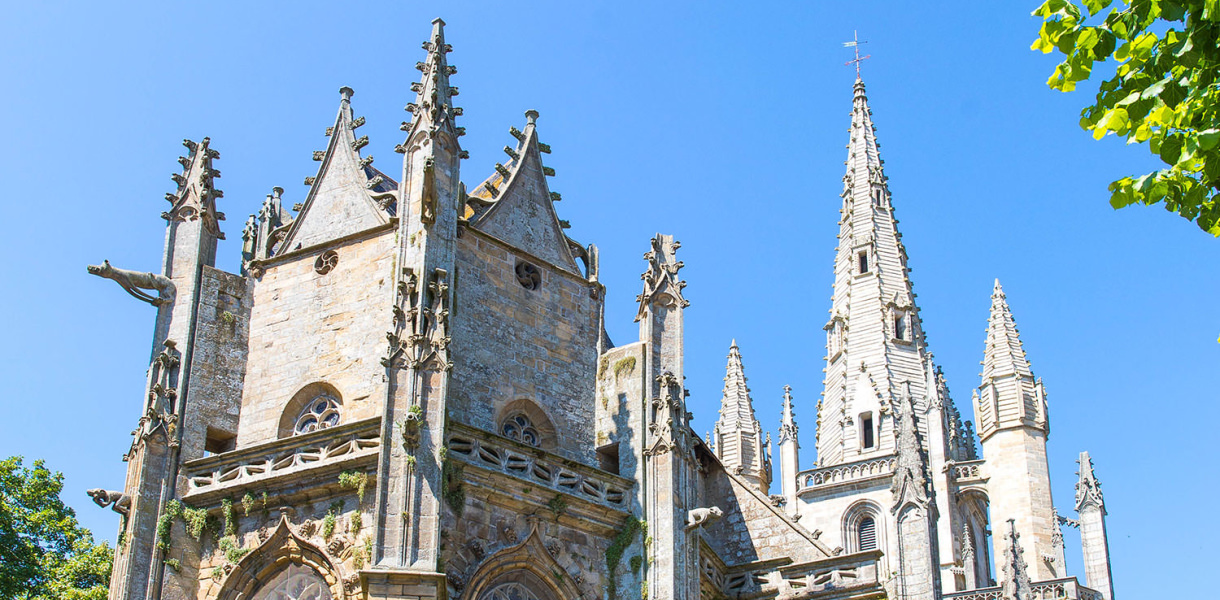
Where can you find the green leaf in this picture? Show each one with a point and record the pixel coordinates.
(1173, 94)
(1115, 120)
(1209, 138)
(1171, 149)
(1096, 6)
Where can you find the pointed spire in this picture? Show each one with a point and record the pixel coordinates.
(1004, 354)
(911, 468)
(1088, 488)
(661, 282)
(195, 197)
(787, 420)
(433, 107)
(1016, 583)
(739, 434)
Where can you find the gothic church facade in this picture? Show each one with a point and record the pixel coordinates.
(408, 392)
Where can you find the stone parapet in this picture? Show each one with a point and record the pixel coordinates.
(852, 576)
(539, 467)
(853, 472)
(306, 457)
(1055, 589)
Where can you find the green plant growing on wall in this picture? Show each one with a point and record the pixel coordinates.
(174, 564)
(218, 573)
(624, 366)
(614, 553)
(354, 480)
(232, 551)
(355, 523)
(173, 509)
(226, 509)
(451, 487)
(247, 502)
(266, 506)
(558, 505)
(196, 520)
(635, 563)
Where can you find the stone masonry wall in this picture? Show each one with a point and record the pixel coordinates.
(307, 328)
(512, 343)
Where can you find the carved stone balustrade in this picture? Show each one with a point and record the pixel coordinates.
(281, 464)
(538, 467)
(846, 576)
(855, 472)
(1054, 589)
(968, 472)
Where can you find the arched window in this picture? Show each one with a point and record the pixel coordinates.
(321, 413)
(295, 583)
(866, 534)
(519, 427)
(510, 591)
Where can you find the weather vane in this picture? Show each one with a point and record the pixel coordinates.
(855, 45)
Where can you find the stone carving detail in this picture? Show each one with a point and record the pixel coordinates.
(422, 328)
(535, 466)
(702, 516)
(528, 275)
(117, 501)
(135, 283)
(326, 262)
(661, 283)
(427, 202)
(1015, 584)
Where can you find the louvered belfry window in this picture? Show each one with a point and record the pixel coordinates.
(867, 534)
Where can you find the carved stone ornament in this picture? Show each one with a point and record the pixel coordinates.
(308, 528)
(117, 501)
(702, 516)
(326, 262)
(134, 283)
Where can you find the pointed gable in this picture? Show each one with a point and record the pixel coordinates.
(523, 213)
(347, 195)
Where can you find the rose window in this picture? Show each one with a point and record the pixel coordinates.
(322, 412)
(518, 427)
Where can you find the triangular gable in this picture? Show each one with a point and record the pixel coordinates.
(340, 201)
(523, 214)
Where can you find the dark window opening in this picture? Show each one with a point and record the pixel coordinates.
(866, 425)
(607, 458)
(867, 534)
(863, 259)
(900, 327)
(219, 441)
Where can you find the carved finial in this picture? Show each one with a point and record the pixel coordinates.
(531, 117)
(346, 93)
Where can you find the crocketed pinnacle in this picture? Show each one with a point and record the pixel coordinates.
(862, 155)
(1088, 489)
(1015, 581)
(1004, 355)
(787, 421)
(736, 407)
(433, 107)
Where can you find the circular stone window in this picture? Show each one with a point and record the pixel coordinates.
(326, 262)
(528, 275)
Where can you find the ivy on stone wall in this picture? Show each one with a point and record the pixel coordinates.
(625, 536)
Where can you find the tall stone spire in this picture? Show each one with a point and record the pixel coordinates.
(875, 342)
(1093, 538)
(433, 107)
(739, 436)
(789, 454)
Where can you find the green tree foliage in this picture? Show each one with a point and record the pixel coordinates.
(44, 553)
(1164, 91)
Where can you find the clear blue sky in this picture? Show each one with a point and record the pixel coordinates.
(721, 124)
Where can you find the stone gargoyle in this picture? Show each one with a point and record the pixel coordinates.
(135, 282)
(117, 501)
(702, 516)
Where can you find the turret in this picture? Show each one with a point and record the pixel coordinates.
(1010, 409)
(739, 436)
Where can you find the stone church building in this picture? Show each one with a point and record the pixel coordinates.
(408, 392)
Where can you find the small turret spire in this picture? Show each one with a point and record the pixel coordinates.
(1088, 489)
(787, 421)
(1016, 583)
(1004, 354)
(740, 445)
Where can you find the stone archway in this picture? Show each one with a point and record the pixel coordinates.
(522, 572)
(284, 565)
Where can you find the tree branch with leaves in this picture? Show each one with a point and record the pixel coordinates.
(1164, 91)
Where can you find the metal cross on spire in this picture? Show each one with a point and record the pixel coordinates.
(855, 45)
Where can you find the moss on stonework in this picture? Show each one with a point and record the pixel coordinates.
(635, 563)
(558, 505)
(173, 563)
(232, 551)
(451, 487)
(614, 553)
(624, 366)
(196, 520)
(173, 509)
(226, 509)
(355, 480)
(602, 366)
(247, 502)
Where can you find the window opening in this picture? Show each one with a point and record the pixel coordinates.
(519, 427)
(900, 326)
(321, 413)
(863, 259)
(866, 426)
(867, 534)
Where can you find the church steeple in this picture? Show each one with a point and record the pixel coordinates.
(1009, 395)
(875, 342)
(738, 434)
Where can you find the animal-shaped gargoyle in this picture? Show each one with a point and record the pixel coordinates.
(135, 282)
(117, 501)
